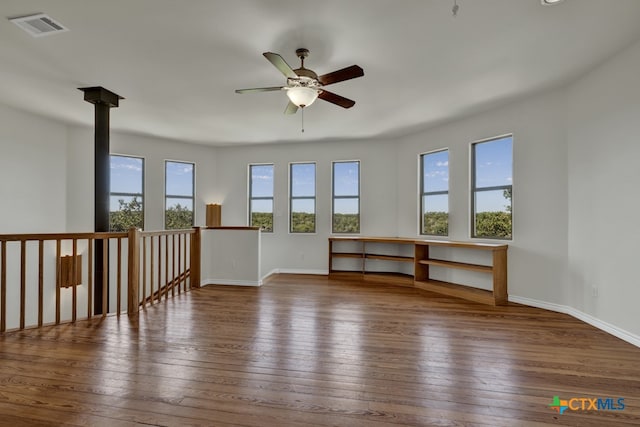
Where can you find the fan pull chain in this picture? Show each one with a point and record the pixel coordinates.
(302, 111)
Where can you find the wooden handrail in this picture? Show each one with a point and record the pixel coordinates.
(151, 274)
(60, 236)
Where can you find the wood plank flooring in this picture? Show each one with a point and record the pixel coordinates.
(308, 351)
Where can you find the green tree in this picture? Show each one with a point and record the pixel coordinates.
(303, 222)
(346, 223)
(178, 217)
(263, 220)
(128, 215)
(493, 224)
(436, 223)
(507, 195)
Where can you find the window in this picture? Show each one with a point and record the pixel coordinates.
(179, 195)
(302, 200)
(126, 200)
(261, 197)
(492, 170)
(434, 193)
(346, 197)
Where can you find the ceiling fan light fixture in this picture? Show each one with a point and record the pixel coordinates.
(302, 96)
(550, 2)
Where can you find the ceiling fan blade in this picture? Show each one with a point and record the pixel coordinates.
(259, 89)
(336, 99)
(341, 75)
(280, 64)
(291, 108)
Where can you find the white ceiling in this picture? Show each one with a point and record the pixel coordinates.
(177, 63)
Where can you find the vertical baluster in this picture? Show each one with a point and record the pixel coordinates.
(173, 265)
(3, 288)
(187, 265)
(179, 263)
(40, 281)
(23, 281)
(159, 268)
(185, 261)
(166, 266)
(89, 277)
(58, 280)
(144, 271)
(152, 270)
(105, 276)
(119, 278)
(74, 284)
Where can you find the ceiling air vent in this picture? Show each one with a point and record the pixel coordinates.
(39, 25)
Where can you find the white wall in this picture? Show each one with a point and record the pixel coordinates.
(604, 183)
(32, 173)
(537, 256)
(308, 252)
(230, 257)
(155, 151)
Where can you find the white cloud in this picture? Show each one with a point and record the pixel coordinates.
(126, 166)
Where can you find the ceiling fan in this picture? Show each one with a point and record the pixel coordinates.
(304, 86)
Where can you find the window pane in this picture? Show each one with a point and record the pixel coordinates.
(262, 214)
(493, 214)
(303, 217)
(303, 180)
(261, 180)
(346, 179)
(179, 179)
(493, 162)
(435, 215)
(178, 213)
(125, 212)
(346, 216)
(435, 174)
(126, 174)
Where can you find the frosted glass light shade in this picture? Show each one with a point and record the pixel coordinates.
(302, 96)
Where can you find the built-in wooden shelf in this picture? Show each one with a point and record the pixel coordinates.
(459, 265)
(459, 291)
(422, 261)
(348, 255)
(390, 257)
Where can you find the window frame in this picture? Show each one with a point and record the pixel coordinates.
(334, 197)
(422, 194)
(474, 189)
(251, 198)
(141, 195)
(314, 197)
(170, 196)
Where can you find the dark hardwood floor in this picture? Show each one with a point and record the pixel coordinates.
(304, 351)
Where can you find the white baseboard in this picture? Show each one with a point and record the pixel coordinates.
(294, 271)
(302, 271)
(587, 318)
(230, 282)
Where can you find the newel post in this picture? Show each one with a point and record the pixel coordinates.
(195, 258)
(133, 294)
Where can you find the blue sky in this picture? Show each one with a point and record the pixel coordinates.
(494, 160)
(303, 184)
(127, 177)
(494, 168)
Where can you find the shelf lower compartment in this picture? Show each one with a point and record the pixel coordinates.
(459, 291)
